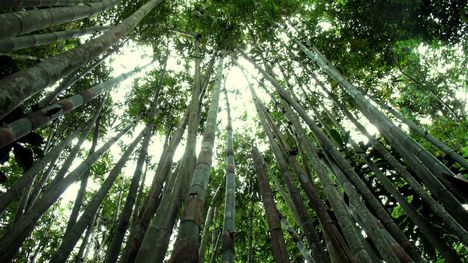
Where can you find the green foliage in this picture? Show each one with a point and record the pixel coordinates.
(411, 55)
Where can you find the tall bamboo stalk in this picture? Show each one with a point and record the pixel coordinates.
(12, 239)
(305, 220)
(403, 143)
(279, 250)
(18, 87)
(186, 246)
(72, 236)
(357, 182)
(208, 222)
(227, 249)
(17, 43)
(41, 3)
(13, 131)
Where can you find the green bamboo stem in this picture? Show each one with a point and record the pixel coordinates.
(22, 42)
(13, 131)
(18, 87)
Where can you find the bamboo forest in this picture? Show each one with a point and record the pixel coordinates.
(233, 131)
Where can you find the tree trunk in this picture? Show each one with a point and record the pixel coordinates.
(19, 128)
(73, 77)
(83, 184)
(449, 152)
(81, 256)
(350, 232)
(362, 188)
(186, 246)
(304, 217)
(279, 250)
(71, 237)
(227, 248)
(152, 200)
(297, 240)
(208, 222)
(404, 144)
(35, 79)
(12, 239)
(17, 43)
(21, 23)
(41, 3)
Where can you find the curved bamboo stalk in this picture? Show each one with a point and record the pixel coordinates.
(449, 152)
(13, 131)
(397, 138)
(20, 23)
(41, 3)
(71, 237)
(17, 43)
(227, 249)
(186, 246)
(12, 239)
(20, 86)
(280, 252)
(208, 221)
(84, 178)
(305, 220)
(297, 240)
(15, 190)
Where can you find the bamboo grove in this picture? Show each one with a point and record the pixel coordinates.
(251, 131)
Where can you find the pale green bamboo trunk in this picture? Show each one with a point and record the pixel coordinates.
(280, 252)
(18, 87)
(20, 23)
(71, 237)
(17, 43)
(404, 144)
(13, 131)
(186, 246)
(227, 253)
(41, 3)
(305, 220)
(208, 222)
(297, 240)
(74, 76)
(12, 239)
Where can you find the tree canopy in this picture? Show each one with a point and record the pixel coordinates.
(233, 131)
